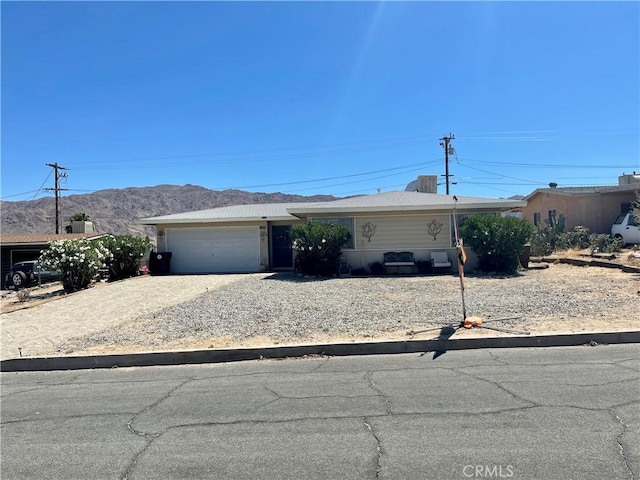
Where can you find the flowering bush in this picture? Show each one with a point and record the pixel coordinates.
(126, 252)
(77, 260)
(318, 247)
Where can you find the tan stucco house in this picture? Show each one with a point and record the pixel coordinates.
(593, 207)
(252, 238)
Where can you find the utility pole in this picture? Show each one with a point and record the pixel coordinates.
(57, 189)
(444, 142)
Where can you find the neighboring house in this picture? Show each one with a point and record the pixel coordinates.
(20, 248)
(252, 238)
(593, 207)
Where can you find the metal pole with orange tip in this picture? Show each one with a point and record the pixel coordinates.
(462, 258)
(468, 322)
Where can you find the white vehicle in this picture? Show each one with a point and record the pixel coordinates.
(626, 227)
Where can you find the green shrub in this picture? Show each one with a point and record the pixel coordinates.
(318, 247)
(603, 243)
(126, 252)
(578, 238)
(497, 241)
(77, 260)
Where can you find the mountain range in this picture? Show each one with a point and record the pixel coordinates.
(116, 211)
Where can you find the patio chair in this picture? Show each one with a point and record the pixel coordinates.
(440, 260)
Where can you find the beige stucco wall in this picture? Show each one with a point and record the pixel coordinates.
(594, 211)
(400, 233)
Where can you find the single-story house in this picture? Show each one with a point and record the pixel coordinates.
(252, 238)
(595, 208)
(24, 247)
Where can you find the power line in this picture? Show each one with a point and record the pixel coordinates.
(543, 165)
(422, 164)
(45, 181)
(20, 194)
(500, 175)
(358, 181)
(294, 152)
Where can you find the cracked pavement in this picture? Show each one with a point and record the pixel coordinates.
(554, 413)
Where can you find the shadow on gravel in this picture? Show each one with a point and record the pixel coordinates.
(294, 278)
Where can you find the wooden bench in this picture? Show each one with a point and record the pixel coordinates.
(398, 260)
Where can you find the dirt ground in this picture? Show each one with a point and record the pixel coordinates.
(105, 298)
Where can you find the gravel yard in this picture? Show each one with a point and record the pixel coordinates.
(285, 309)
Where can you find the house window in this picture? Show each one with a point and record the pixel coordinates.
(536, 219)
(552, 215)
(346, 221)
(625, 207)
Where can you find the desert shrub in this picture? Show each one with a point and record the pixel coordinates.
(603, 243)
(23, 295)
(376, 268)
(77, 260)
(498, 241)
(578, 238)
(126, 252)
(544, 239)
(318, 247)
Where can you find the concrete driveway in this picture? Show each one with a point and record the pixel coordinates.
(36, 331)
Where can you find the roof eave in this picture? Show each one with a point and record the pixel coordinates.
(406, 208)
(167, 221)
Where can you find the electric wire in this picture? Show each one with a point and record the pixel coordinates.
(45, 181)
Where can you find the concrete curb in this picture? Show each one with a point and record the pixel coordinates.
(337, 349)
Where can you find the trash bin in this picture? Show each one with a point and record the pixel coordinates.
(160, 263)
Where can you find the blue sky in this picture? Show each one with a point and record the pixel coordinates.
(340, 98)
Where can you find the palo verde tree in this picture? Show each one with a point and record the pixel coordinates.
(498, 241)
(318, 246)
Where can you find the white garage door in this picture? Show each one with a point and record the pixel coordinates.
(214, 250)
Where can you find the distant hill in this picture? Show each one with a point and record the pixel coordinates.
(117, 210)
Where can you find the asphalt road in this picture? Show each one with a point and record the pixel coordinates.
(554, 413)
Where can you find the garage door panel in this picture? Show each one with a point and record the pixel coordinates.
(214, 250)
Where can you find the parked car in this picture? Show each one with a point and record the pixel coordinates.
(626, 228)
(25, 274)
